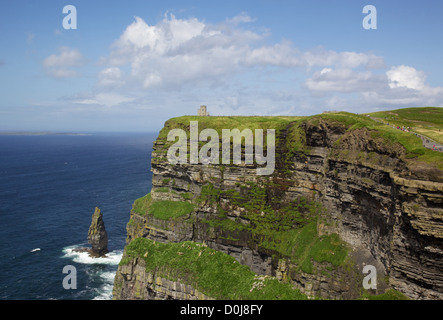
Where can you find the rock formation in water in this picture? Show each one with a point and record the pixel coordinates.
(97, 235)
(342, 196)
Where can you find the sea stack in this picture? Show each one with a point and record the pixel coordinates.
(97, 235)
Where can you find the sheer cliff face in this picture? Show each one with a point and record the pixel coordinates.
(386, 209)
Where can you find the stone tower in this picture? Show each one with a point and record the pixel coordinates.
(202, 112)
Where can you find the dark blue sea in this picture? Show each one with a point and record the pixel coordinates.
(49, 188)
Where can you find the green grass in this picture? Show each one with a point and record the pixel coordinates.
(162, 209)
(277, 123)
(412, 144)
(168, 209)
(219, 123)
(350, 120)
(412, 116)
(427, 120)
(290, 230)
(225, 224)
(304, 245)
(212, 272)
(390, 294)
(186, 195)
(141, 205)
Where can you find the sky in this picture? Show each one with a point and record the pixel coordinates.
(124, 66)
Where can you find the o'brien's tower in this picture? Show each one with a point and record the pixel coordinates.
(209, 153)
(202, 112)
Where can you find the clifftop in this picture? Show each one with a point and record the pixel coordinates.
(347, 191)
(291, 132)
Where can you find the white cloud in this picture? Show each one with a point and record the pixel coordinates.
(242, 18)
(110, 77)
(282, 54)
(60, 65)
(407, 77)
(343, 80)
(61, 73)
(347, 59)
(400, 86)
(177, 52)
(66, 57)
(174, 62)
(405, 86)
(408, 86)
(106, 99)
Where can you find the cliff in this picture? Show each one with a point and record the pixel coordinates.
(346, 192)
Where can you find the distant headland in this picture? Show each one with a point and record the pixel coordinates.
(41, 133)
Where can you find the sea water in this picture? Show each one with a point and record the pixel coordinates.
(49, 188)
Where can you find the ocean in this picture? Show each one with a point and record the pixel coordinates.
(49, 188)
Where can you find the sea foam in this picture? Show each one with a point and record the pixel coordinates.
(104, 276)
(111, 258)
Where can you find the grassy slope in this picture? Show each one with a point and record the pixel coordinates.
(162, 209)
(213, 273)
(412, 144)
(219, 123)
(427, 121)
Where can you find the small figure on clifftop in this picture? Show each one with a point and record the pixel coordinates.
(97, 235)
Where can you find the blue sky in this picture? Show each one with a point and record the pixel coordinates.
(131, 65)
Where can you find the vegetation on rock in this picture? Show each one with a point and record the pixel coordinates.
(213, 273)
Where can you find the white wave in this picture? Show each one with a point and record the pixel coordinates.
(111, 258)
(34, 250)
(105, 291)
(106, 276)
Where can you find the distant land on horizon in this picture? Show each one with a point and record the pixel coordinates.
(41, 133)
(61, 133)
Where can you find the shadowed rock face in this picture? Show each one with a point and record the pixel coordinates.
(97, 235)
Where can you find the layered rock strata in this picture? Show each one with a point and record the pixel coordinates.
(387, 208)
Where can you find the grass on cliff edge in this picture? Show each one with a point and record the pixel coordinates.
(427, 121)
(211, 272)
(234, 122)
(162, 209)
(412, 144)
